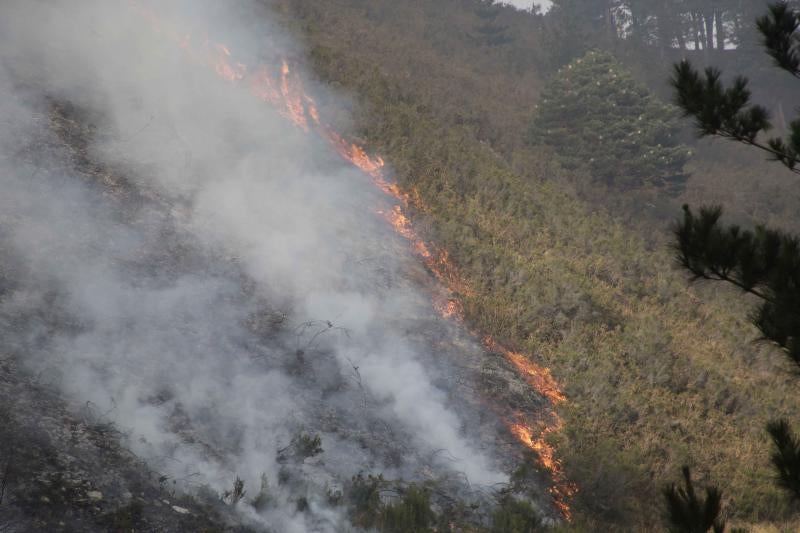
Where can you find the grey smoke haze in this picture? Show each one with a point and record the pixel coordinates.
(275, 228)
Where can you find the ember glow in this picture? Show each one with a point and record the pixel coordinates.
(284, 90)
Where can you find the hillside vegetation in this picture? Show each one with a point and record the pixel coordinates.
(657, 375)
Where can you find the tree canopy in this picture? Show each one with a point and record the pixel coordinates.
(595, 115)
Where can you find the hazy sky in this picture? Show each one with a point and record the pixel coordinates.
(527, 3)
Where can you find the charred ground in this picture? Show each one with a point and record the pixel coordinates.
(67, 466)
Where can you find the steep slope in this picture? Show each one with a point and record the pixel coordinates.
(239, 373)
(63, 472)
(199, 273)
(656, 373)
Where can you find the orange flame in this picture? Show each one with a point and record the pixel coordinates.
(561, 490)
(287, 94)
(452, 309)
(293, 99)
(537, 376)
(537, 444)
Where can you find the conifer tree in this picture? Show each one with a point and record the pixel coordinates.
(762, 262)
(689, 513)
(590, 22)
(489, 31)
(595, 115)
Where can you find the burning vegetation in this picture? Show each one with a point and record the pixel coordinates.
(283, 89)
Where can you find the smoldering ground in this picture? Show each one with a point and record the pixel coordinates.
(204, 274)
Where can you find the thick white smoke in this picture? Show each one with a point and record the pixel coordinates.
(231, 221)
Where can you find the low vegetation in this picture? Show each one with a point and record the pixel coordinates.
(514, 516)
(409, 511)
(657, 374)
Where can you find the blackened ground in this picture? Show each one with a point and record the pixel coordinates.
(61, 471)
(63, 467)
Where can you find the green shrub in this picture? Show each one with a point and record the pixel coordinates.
(515, 516)
(363, 494)
(411, 514)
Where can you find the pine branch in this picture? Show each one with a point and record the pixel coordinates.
(786, 457)
(728, 113)
(688, 512)
(763, 262)
(719, 276)
(779, 29)
(789, 159)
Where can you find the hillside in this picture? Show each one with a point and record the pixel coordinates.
(207, 322)
(300, 265)
(657, 373)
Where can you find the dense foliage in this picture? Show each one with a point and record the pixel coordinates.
(594, 113)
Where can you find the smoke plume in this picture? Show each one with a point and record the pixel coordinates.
(201, 272)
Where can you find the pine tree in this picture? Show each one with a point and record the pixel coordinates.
(689, 513)
(489, 31)
(595, 115)
(762, 262)
(786, 457)
(586, 23)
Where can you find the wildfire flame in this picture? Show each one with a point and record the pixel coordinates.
(537, 376)
(561, 490)
(286, 93)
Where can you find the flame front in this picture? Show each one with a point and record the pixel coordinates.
(537, 376)
(286, 93)
(562, 491)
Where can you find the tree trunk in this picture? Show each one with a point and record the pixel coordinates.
(681, 37)
(720, 30)
(709, 30)
(697, 26)
(665, 29)
(611, 24)
(636, 27)
(678, 27)
(782, 117)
